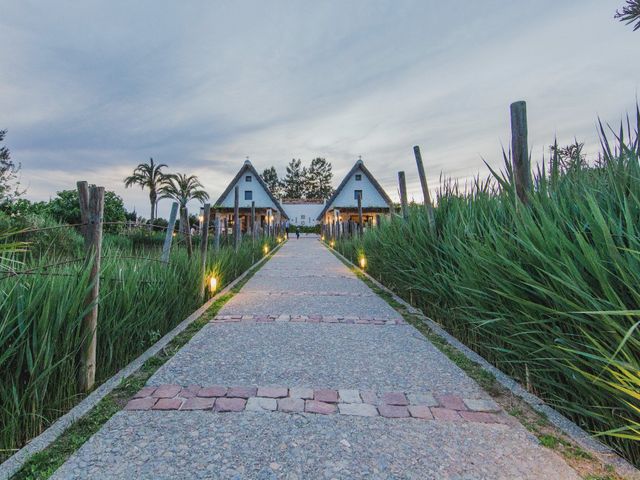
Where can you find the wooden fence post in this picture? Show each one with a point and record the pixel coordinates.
(217, 226)
(360, 225)
(204, 239)
(520, 150)
(184, 219)
(268, 222)
(91, 213)
(236, 218)
(403, 195)
(425, 187)
(168, 238)
(253, 220)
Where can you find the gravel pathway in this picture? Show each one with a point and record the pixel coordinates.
(304, 279)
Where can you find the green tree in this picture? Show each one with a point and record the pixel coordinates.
(270, 177)
(318, 179)
(630, 13)
(9, 184)
(65, 208)
(294, 180)
(148, 175)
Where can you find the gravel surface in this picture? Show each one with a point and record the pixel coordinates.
(382, 357)
(267, 445)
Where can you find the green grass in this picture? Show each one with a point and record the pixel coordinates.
(547, 292)
(40, 318)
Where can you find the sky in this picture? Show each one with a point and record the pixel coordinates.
(90, 89)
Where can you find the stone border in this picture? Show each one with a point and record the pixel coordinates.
(15, 462)
(306, 319)
(599, 450)
(322, 401)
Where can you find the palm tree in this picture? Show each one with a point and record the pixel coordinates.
(182, 188)
(148, 175)
(630, 13)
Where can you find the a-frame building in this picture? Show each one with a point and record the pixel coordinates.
(358, 182)
(252, 189)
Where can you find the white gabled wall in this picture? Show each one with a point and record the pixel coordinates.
(260, 196)
(370, 196)
(296, 212)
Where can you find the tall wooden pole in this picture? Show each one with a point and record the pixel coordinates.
(218, 227)
(360, 225)
(253, 220)
(91, 213)
(204, 245)
(184, 219)
(236, 218)
(403, 195)
(268, 222)
(425, 187)
(168, 238)
(520, 150)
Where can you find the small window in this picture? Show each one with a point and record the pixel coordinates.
(247, 178)
(248, 194)
(357, 194)
(358, 177)
(302, 217)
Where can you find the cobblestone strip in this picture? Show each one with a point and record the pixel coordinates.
(323, 401)
(307, 319)
(320, 294)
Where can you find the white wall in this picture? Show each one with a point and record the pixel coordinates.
(260, 196)
(296, 211)
(370, 196)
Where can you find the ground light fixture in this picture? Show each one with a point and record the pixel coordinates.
(265, 249)
(322, 238)
(363, 262)
(332, 243)
(213, 284)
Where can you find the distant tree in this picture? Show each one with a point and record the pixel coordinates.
(9, 184)
(270, 177)
(569, 157)
(630, 13)
(318, 179)
(66, 209)
(294, 180)
(182, 188)
(148, 175)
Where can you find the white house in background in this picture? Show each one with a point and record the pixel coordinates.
(303, 212)
(358, 182)
(252, 189)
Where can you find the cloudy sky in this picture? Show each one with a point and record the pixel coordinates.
(90, 89)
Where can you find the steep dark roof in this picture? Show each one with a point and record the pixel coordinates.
(248, 166)
(358, 165)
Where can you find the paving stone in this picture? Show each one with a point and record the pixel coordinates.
(198, 403)
(300, 392)
(422, 399)
(452, 402)
(167, 404)
(483, 417)
(273, 392)
(167, 391)
(291, 404)
(141, 403)
(445, 414)
(242, 392)
(326, 395)
(394, 398)
(369, 396)
(225, 404)
(214, 391)
(358, 409)
(481, 405)
(145, 392)
(349, 396)
(261, 404)
(393, 411)
(420, 411)
(313, 406)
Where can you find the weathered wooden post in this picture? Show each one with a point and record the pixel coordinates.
(377, 220)
(184, 219)
(236, 218)
(217, 226)
(338, 224)
(520, 150)
(403, 195)
(168, 238)
(91, 214)
(425, 187)
(360, 225)
(204, 244)
(269, 222)
(253, 220)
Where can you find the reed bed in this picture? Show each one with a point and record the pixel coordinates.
(548, 292)
(141, 299)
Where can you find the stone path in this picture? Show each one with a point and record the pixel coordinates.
(307, 374)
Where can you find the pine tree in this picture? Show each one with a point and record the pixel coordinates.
(294, 180)
(270, 177)
(318, 180)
